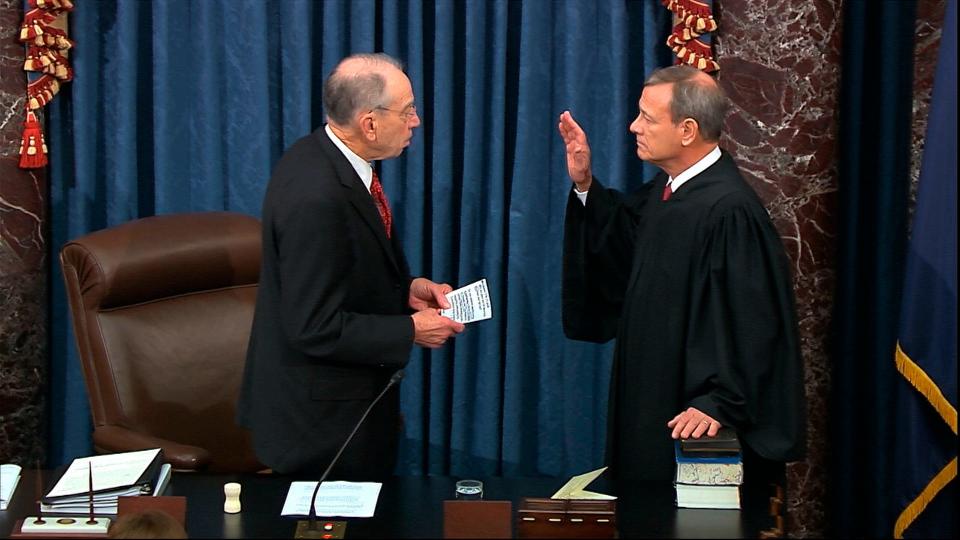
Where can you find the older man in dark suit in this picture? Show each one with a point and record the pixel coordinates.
(337, 311)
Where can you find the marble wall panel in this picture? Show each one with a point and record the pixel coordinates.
(929, 23)
(23, 260)
(780, 64)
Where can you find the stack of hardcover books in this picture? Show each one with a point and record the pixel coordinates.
(709, 471)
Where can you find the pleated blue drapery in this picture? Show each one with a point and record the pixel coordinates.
(186, 106)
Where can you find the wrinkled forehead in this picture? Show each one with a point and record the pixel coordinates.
(399, 89)
(656, 97)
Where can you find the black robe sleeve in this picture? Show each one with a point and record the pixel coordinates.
(598, 243)
(744, 366)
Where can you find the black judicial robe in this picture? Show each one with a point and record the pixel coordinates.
(697, 292)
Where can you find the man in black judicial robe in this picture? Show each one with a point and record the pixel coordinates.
(693, 281)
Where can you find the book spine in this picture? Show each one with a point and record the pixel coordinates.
(681, 458)
(710, 473)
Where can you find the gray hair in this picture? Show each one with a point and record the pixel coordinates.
(693, 98)
(346, 94)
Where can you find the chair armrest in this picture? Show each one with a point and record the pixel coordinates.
(113, 438)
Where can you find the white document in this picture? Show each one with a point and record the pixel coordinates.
(110, 471)
(334, 499)
(469, 303)
(9, 478)
(573, 489)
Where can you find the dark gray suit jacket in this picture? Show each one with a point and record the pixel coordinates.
(331, 323)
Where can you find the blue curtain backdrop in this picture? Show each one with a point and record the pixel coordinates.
(185, 106)
(874, 179)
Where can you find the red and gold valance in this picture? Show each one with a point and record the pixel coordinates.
(690, 39)
(44, 35)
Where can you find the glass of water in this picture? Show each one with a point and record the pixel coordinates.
(469, 490)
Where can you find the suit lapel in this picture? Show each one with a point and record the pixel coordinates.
(358, 195)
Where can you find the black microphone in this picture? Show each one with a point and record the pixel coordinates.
(313, 500)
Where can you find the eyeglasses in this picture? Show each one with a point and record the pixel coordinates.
(405, 114)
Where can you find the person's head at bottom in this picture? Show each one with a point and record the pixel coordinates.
(146, 524)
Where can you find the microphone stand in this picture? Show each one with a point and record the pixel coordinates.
(308, 528)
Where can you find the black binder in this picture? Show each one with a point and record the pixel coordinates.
(144, 485)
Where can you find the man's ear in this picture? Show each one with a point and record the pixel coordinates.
(368, 126)
(689, 130)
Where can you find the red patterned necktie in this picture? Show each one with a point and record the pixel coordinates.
(666, 192)
(376, 190)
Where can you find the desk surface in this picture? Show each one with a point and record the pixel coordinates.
(412, 507)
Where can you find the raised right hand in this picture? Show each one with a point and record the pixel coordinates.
(578, 151)
(432, 330)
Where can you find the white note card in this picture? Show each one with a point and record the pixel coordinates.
(573, 489)
(334, 499)
(469, 303)
(9, 478)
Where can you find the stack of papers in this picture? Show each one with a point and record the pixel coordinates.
(114, 475)
(9, 478)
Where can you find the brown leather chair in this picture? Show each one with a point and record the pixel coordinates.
(162, 309)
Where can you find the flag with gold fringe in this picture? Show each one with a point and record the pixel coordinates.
(44, 36)
(690, 39)
(925, 456)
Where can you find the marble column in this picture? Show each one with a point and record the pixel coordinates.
(23, 266)
(780, 64)
(928, 29)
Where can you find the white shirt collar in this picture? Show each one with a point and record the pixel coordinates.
(706, 161)
(363, 167)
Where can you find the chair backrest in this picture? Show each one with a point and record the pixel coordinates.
(162, 309)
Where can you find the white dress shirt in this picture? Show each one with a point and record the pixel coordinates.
(363, 167)
(675, 183)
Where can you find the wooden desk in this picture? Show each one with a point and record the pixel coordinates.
(412, 507)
